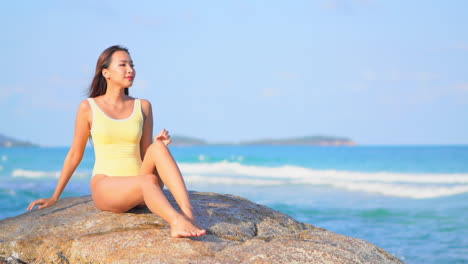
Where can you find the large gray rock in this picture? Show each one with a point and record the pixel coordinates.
(239, 231)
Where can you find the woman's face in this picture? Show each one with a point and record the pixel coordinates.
(120, 71)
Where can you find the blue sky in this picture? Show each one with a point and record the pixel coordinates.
(379, 72)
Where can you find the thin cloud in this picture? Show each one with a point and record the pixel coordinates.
(388, 75)
(270, 92)
(147, 21)
(459, 92)
(7, 92)
(331, 4)
(289, 76)
(426, 76)
(156, 21)
(56, 79)
(346, 6)
(188, 15)
(370, 75)
(462, 46)
(462, 87)
(395, 75)
(55, 93)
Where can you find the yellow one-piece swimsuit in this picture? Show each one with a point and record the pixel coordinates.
(117, 141)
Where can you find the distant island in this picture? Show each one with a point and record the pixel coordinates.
(187, 141)
(178, 140)
(301, 141)
(297, 141)
(11, 142)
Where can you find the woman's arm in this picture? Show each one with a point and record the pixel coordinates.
(147, 137)
(74, 157)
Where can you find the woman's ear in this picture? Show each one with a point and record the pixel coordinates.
(105, 73)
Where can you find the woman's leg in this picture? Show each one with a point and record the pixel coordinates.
(120, 194)
(148, 167)
(159, 157)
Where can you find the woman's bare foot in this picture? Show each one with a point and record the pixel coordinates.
(192, 219)
(183, 227)
(188, 213)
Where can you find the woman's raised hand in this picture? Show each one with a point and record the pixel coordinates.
(164, 137)
(43, 203)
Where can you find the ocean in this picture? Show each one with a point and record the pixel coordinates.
(410, 200)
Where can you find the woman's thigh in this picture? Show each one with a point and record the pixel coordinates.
(117, 194)
(148, 165)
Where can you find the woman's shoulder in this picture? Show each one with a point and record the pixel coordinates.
(145, 103)
(146, 108)
(84, 109)
(84, 105)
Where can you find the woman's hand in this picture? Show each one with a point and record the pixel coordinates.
(164, 137)
(43, 203)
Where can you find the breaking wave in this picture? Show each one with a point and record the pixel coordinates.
(409, 185)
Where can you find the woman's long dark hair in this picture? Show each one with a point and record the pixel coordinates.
(99, 85)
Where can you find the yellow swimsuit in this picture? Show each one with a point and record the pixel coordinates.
(117, 142)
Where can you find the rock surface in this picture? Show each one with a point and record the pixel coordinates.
(238, 231)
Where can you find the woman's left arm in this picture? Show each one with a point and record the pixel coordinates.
(147, 136)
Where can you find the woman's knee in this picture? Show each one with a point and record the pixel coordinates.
(158, 146)
(150, 179)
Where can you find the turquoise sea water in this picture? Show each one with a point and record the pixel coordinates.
(409, 200)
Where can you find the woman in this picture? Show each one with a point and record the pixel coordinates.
(130, 170)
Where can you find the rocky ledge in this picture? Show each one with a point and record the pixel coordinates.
(238, 231)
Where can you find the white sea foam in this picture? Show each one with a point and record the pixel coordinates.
(400, 190)
(42, 174)
(409, 185)
(199, 179)
(294, 172)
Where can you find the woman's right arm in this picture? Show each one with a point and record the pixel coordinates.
(74, 157)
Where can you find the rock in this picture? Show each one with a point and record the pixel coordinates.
(238, 231)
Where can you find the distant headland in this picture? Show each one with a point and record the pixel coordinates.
(296, 141)
(177, 140)
(11, 142)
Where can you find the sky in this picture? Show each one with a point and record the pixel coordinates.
(377, 72)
